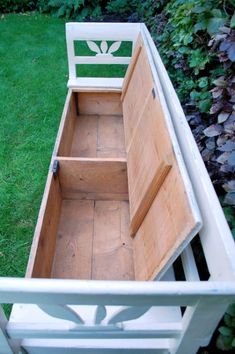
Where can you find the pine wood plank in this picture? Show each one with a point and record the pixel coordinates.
(152, 190)
(96, 176)
(165, 228)
(139, 87)
(130, 70)
(101, 136)
(43, 246)
(100, 103)
(68, 120)
(85, 136)
(73, 252)
(111, 140)
(112, 254)
(148, 160)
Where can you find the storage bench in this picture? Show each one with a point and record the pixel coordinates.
(126, 193)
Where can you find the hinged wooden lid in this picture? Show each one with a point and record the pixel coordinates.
(163, 210)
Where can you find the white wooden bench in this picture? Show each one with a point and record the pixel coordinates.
(88, 316)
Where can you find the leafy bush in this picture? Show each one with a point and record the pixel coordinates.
(226, 338)
(78, 10)
(17, 5)
(196, 40)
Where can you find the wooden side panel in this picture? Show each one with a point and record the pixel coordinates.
(68, 120)
(73, 253)
(112, 251)
(43, 246)
(165, 228)
(93, 178)
(139, 88)
(101, 103)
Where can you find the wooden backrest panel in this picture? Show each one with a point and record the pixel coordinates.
(162, 218)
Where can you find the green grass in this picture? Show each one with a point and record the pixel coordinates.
(33, 78)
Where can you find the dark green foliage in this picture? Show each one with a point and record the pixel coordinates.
(197, 45)
(226, 338)
(17, 5)
(78, 10)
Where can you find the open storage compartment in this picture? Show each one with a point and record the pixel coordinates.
(84, 231)
(118, 203)
(84, 228)
(93, 126)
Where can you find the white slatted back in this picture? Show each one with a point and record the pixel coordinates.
(103, 32)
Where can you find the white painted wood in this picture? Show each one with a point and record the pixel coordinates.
(215, 236)
(189, 264)
(102, 31)
(101, 59)
(91, 83)
(6, 346)
(97, 346)
(124, 293)
(199, 323)
(42, 331)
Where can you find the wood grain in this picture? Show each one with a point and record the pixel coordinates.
(93, 241)
(111, 141)
(152, 190)
(130, 70)
(165, 228)
(65, 135)
(101, 103)
(148, 160)
(73, 254)
(139, 87)
(101, 176)
(85, 136)
(43, 246)
(112, 251)
(101, 136)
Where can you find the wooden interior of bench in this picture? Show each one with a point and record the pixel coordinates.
(93, 126)
(118, 177)
(83, 226)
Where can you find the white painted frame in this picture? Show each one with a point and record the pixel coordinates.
(98, 32)
(206, 301)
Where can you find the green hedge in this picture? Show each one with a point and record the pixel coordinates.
(17, 5)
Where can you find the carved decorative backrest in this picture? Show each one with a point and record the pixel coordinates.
(103, 39)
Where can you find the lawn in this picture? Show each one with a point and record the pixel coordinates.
(33, 77)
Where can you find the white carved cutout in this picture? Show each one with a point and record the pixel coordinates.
(104, 50)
